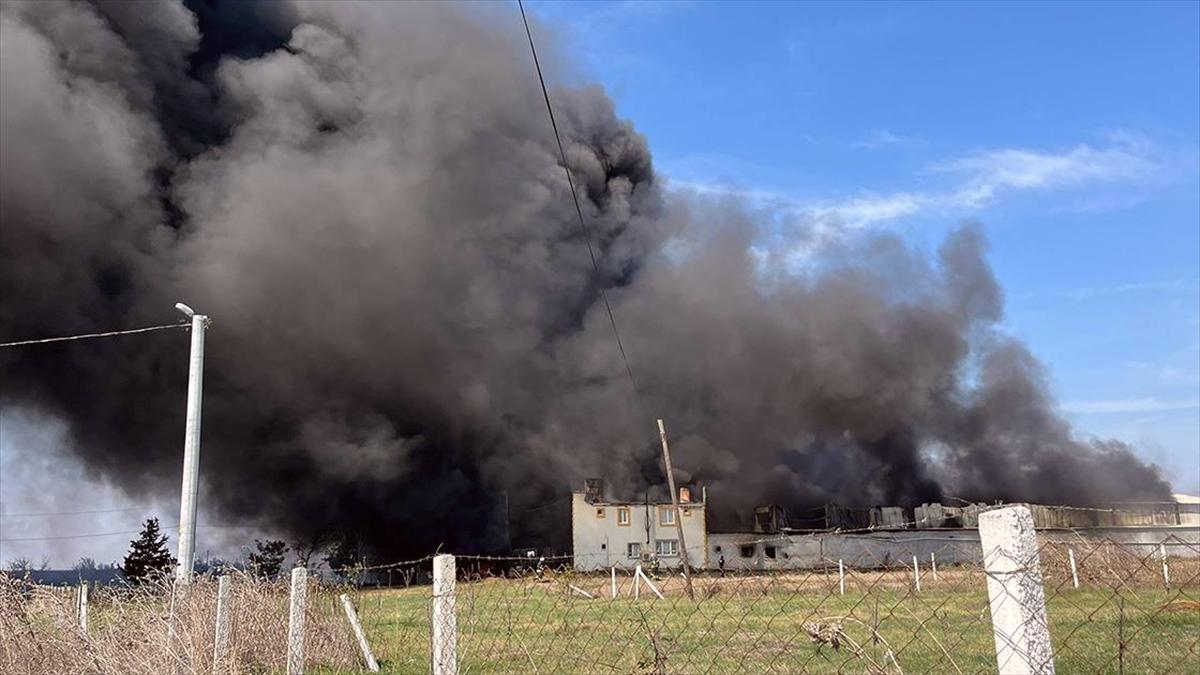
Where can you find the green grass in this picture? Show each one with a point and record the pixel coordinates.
(758, 626)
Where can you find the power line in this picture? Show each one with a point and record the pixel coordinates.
(110, 534)
(71, 513)
(79, 536)
(587, 237)
(94, 335)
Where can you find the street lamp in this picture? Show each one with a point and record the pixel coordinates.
(191, 448)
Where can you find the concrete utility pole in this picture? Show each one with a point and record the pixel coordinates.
(683, 555)
(191, 449)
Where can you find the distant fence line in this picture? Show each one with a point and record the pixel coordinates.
(1021, 603)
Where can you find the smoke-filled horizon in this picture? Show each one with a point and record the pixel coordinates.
(407, 329)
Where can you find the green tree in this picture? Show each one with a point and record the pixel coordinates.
(268, 559)
(148, 556)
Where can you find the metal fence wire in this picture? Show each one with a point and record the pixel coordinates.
(1058, 602)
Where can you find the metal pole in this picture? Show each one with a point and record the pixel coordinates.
(191, 454)
(683, 555)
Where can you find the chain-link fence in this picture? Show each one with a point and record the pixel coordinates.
(928, 604)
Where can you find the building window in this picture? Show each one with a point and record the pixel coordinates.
(686, 512)
(633, 549)
(666, 548)
(599, 513)
(747, 551)
(623, 516)
(769, 551)
(666, 515)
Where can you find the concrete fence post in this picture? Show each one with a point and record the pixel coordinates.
(1162, 550)
(933, 564)
(916, 575)
(841, 578)
(445, 620)
(296, 607)
(1015, 592)
(356, 626)
(82, 610)
(614, 581)
(1074, 570)
(221, 639)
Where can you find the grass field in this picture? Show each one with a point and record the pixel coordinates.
(765, 624)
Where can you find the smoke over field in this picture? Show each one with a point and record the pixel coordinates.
(368, 201)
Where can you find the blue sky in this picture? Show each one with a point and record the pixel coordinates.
(1071, 131)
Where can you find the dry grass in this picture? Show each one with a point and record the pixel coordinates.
(151, 630)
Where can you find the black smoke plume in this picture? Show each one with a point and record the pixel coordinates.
(407, 336)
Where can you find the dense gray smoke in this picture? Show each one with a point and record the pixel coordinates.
(408, 331)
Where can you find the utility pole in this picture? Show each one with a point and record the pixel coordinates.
(191, 449)
(683, 555)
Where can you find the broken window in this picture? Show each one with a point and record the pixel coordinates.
(633, 549)
(769, 551)
(747, 551)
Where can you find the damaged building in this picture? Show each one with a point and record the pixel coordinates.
(608, 532)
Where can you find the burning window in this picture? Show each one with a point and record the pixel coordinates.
(623, 515)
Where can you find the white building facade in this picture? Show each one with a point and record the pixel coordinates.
(608, 534)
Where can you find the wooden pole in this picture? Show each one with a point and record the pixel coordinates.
(356, 625)
(683, 554)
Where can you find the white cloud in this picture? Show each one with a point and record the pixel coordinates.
(984, 174)
(971, 183)
(1130, 405)
(1177, 285)
(882, 138)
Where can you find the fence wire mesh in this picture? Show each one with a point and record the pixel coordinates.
(919, 605)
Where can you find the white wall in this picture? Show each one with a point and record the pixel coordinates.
(600, 543)
(881, 549)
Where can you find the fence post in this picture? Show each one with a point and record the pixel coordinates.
(221, 641)
(83, 605)
(363, 645)
(1162, 549)
(933, 564)
(1015, 593)
(296, 606)
(614, 581)
(916, 574)
(1074, 571)
(445, 620)
(841, 577)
